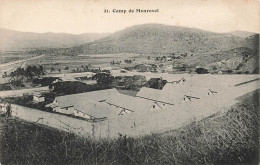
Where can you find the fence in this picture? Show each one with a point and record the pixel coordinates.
(65, 123)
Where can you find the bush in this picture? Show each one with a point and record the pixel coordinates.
(4, 87)
(45, 81)
(201, 71)
(74, 87)
(156, 83)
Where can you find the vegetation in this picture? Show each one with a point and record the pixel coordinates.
(156, 83)
(129, 82)
(45, 81)
(103, 79)
(201, 71)
(230, 138)
(27, 101)
(73, 87)
(4, 87)
(20, 75)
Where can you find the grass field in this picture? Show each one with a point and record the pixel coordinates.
(10, 56)
(60, 62)
(230, 138)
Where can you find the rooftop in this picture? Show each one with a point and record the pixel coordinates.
(94, 108)
(100, 95)
(160, 96)
(129, 102)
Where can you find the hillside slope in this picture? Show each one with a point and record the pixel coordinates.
(157, 38)
(14, 40)
(242, 33)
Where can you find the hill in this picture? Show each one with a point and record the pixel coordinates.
(157, 38)
(215, 51)
(242, 33)
(15, 40)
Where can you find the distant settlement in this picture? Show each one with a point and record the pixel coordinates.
(147, 11)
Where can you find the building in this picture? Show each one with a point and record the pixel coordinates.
(65, 104)
(38, 97)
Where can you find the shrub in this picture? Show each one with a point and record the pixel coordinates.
(156, 83)
(201, 71)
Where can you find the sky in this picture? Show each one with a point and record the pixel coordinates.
(87, 16)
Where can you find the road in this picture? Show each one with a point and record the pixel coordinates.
(75, 75)
(10, 66)
(19, 61)
(16, 93)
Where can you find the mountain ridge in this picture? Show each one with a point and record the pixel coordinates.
(158, 38)
(15, 40)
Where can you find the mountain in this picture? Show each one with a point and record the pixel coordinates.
(157, 38)
(15, 40)
(243, 34)
(214, 51)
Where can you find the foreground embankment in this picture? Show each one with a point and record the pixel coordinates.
(226, 138)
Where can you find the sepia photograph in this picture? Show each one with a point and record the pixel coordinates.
(129, 82)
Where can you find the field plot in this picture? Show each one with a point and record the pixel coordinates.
(95, 60)
(11, 56)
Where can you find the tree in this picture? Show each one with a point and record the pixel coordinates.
(103, 79)
(201, 71)
(156, 83)
(19, 75)
(52, 69)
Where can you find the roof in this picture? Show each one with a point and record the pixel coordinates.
(173, 93)
(94, 108)
(160, 96)
(100, 95)
(188, 90)
(129, 102)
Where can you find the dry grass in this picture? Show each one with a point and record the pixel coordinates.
(230, 138)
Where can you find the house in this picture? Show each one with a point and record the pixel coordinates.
(38, 97)
(65, 104)
(128, 104)
(93, 110)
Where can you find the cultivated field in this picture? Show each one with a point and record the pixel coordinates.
(95, 60)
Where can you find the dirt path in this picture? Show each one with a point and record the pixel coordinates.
(19, 61)
(14, 93)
